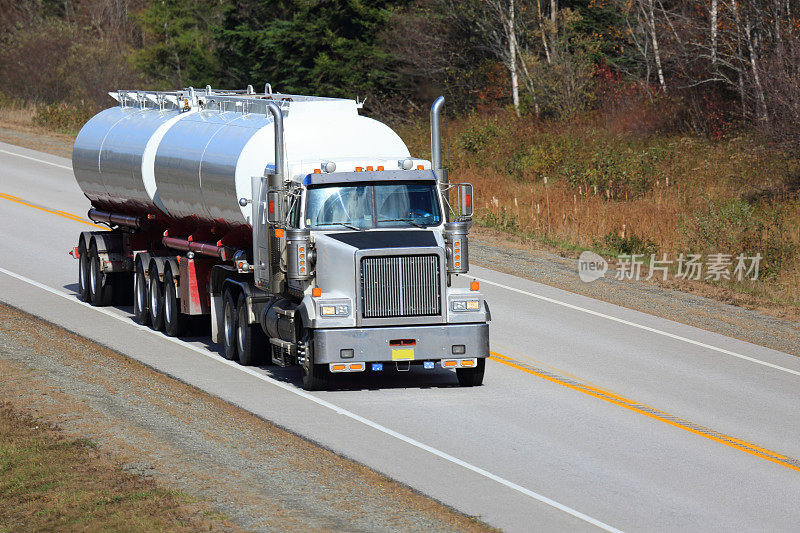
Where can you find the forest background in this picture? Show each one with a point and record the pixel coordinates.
(622, 126)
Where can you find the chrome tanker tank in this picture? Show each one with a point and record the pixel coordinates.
(188, 155)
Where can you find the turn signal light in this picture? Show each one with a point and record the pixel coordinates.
(449, 364)
(337, 368)
(279, 233)
(474, 286)
(316, 291)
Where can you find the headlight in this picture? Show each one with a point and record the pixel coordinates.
(466, 305)
(334, 309)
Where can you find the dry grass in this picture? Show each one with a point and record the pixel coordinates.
(581, 186)
(50, 482)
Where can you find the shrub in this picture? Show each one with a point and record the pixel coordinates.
(63, 117)
(629, 244)
(736, 227)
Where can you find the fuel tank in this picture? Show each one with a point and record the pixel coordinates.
(195, 159)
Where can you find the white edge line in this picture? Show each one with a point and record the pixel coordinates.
(35, 159)
(640, 326)
(332, 407)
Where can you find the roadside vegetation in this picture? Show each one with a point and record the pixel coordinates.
(50, 482)
(620, 126)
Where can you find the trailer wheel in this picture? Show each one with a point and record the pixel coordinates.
(251, 343)
(83, 271)
(140, 296)
(471, 377)
(99, 290)
(174, 320)
(156, 303)
(229, 320)
(315, 377)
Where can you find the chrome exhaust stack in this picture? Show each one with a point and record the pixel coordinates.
(436, 140)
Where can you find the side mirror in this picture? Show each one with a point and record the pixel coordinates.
(466, 206)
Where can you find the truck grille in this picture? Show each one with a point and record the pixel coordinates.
(406, 285)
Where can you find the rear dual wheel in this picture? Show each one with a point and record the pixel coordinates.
(156, 301)
(99, 286)
(241, 340)
(174, 321)
(140, 296)
(83, 272)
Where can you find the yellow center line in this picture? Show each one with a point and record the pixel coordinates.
(64, 214)
(655, 414)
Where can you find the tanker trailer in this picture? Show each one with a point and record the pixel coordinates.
(305, 232)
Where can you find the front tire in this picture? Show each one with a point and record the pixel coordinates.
(156, 304)
(472, 377)
(251, 343)
(174, 320)
(315, 377)
(229, 323)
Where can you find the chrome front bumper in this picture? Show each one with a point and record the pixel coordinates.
(433, 342)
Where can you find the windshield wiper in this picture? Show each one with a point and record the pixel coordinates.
(409, 220)
(345, 224)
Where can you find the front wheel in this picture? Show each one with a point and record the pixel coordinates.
(471, 377)
(315, 377)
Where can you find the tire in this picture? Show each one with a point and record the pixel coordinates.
(83, 272)
(99, 290)
(174, 321)
(229, 323)
(141, 296)
(251, 343)
(471, 377)
(315, 377)
(156, 303)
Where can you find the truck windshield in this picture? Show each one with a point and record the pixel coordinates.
(373, 205)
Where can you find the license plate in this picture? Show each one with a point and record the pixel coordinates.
(402, 354)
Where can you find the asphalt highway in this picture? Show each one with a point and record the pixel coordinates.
(591, 416)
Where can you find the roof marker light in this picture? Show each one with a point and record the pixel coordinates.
(359, 169)
(370, 168)
(420, 167)
(380, 168)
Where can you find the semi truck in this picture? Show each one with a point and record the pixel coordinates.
(305, 232)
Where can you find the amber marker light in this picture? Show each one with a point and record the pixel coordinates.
(380, 168)
(474, 286)
(279, 233)
(316, 291)
(420, 167)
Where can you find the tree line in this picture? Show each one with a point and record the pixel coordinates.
(708, 62)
